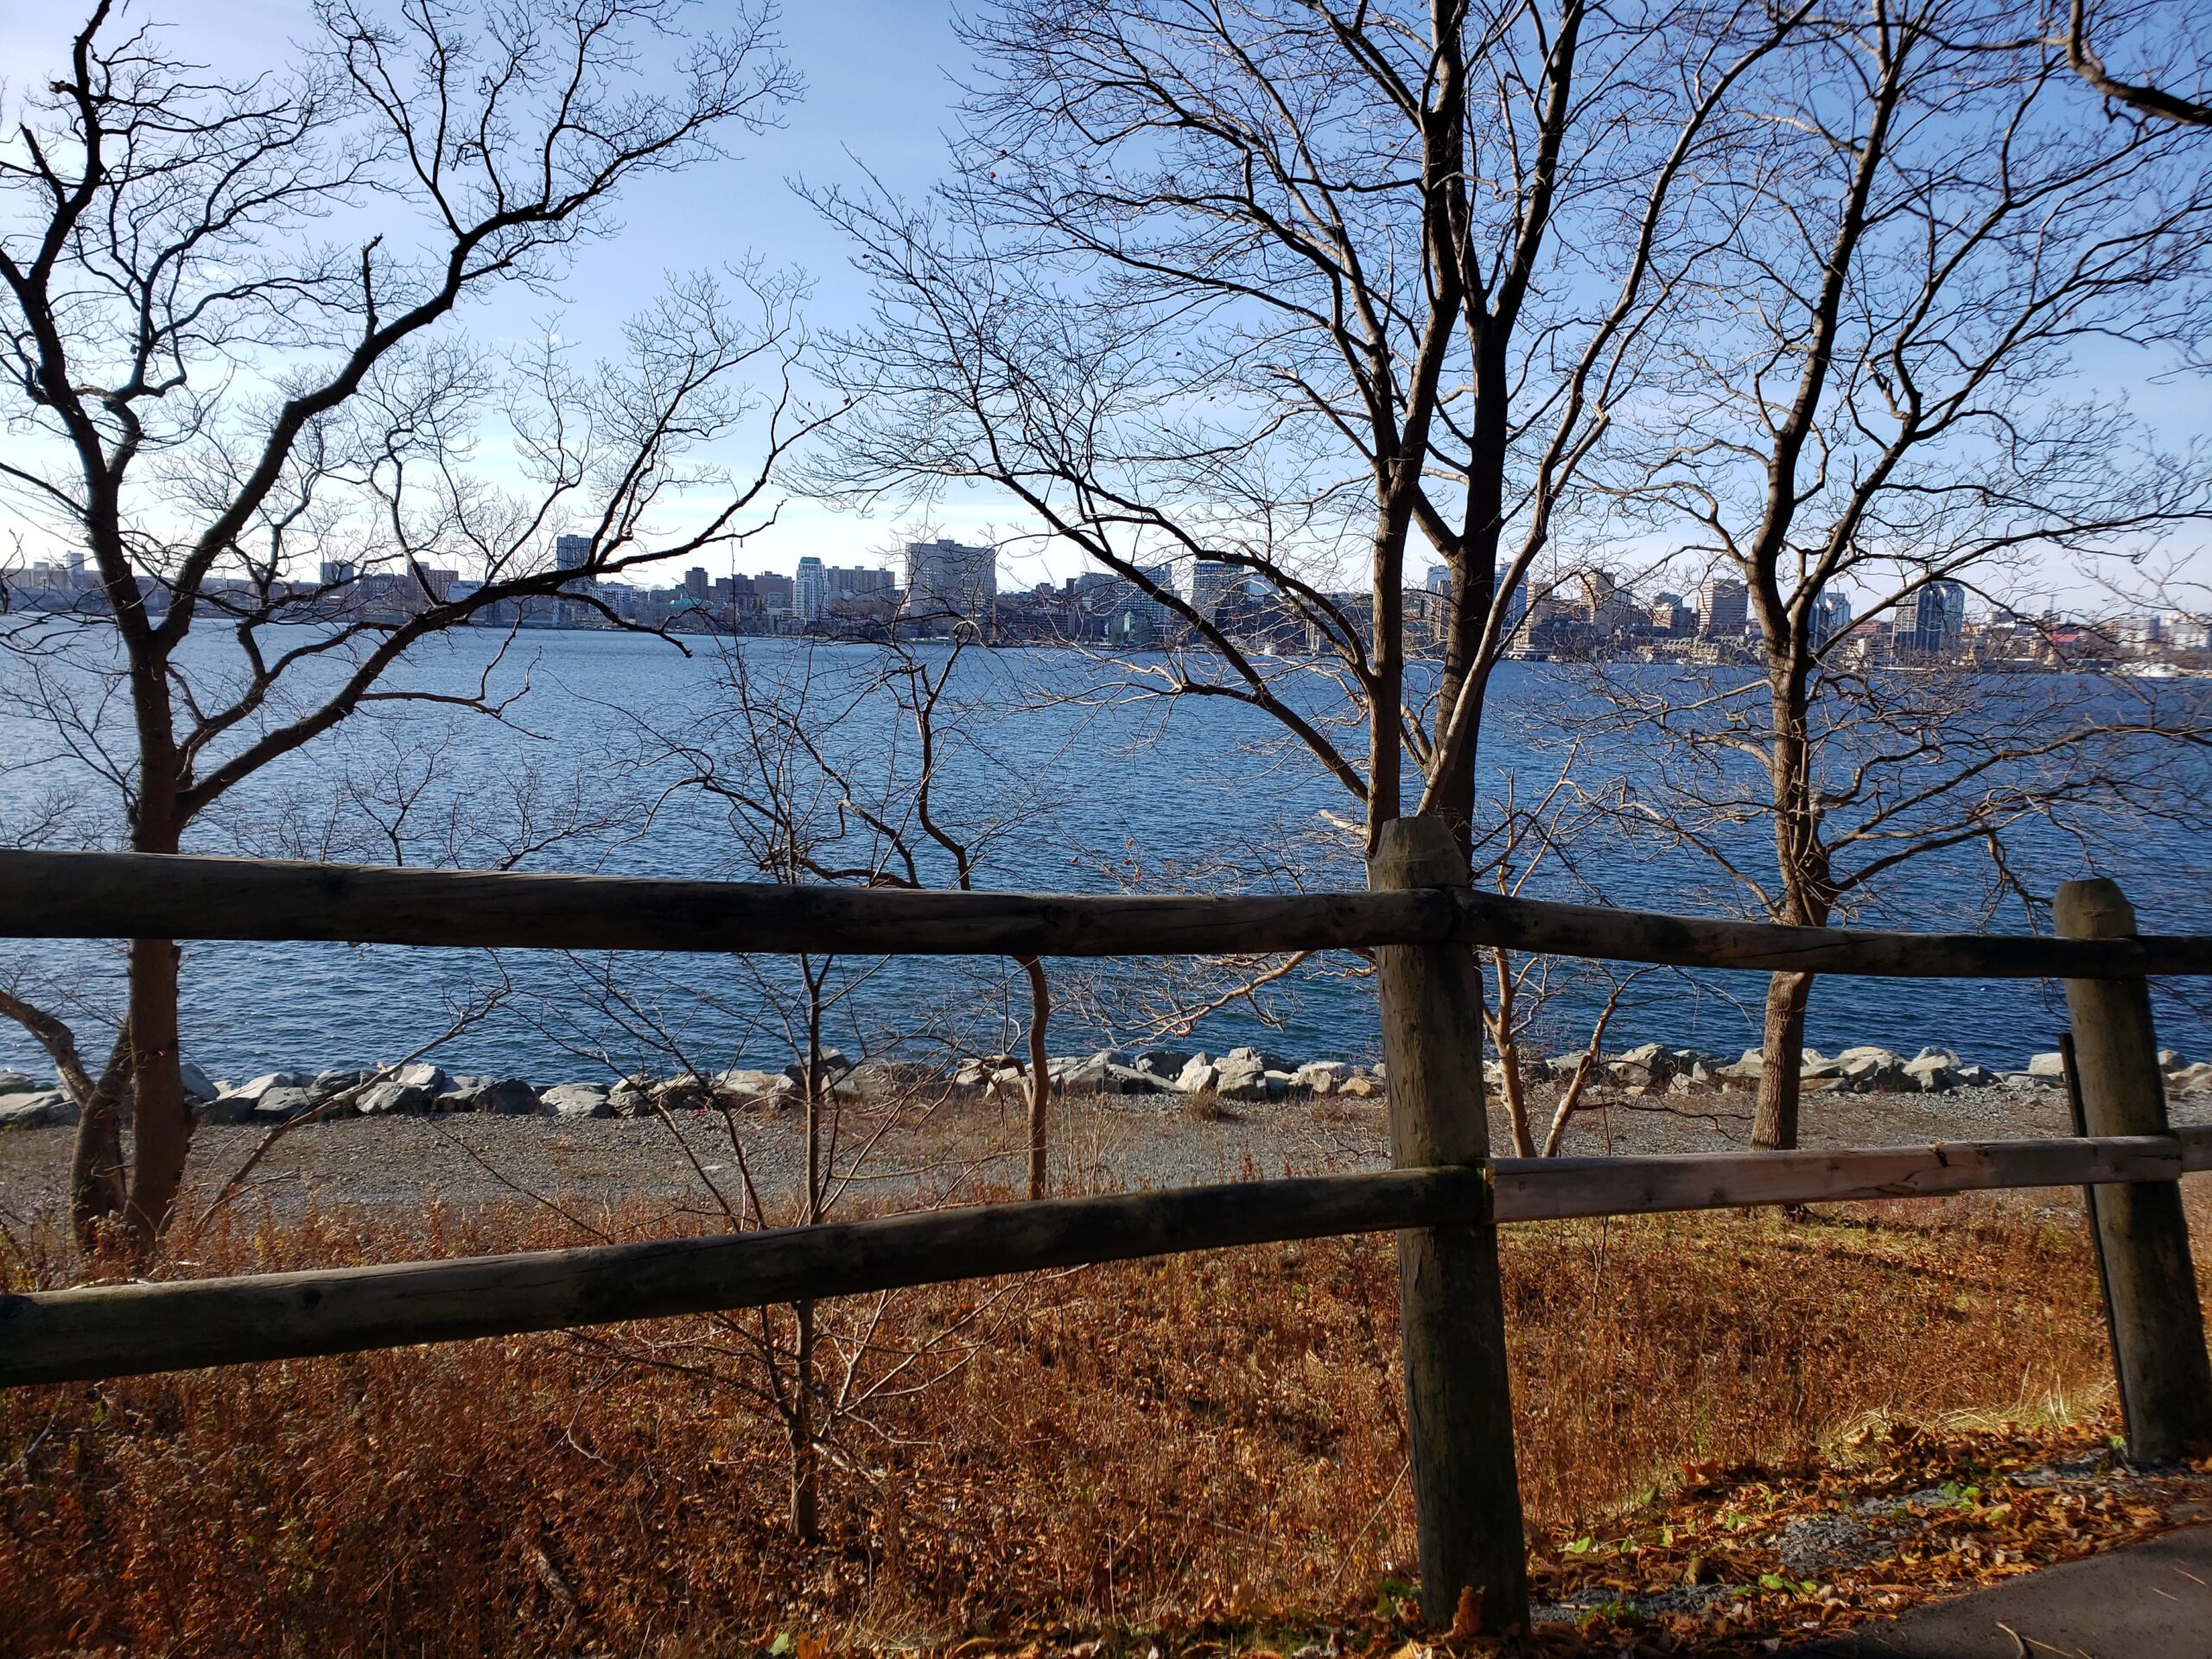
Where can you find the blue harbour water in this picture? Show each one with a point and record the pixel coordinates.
(1070, 778)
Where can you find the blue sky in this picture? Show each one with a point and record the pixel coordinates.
(880, 95)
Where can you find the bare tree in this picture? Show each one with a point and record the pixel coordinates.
(2146, 96)
(840, 766)
(231, 313)
(1870, 404)
(1289, 290)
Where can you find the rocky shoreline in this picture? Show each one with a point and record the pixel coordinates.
(1240, 1074)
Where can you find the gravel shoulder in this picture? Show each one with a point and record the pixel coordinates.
(964, 1148)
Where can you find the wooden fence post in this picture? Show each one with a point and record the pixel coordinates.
(2157, 1327)
(1450, 1301)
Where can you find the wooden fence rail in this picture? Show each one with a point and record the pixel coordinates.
(134, 895)
(134, 1329)
(1445, 1198)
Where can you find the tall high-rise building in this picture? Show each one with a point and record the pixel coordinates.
(1439, 579)
(696, 584)
(946, 581)
(336, 572)
(1831, 615)
(1931, 621)
(1722, 608)
(810, 592)
(571, 552)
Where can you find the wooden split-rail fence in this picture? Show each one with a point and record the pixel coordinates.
(1445, 1198)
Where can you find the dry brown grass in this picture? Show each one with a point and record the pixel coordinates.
(1220, 1431)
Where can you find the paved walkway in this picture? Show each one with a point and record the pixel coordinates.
(2150, 1601)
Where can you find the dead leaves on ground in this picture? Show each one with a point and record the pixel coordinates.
(1741, 1561)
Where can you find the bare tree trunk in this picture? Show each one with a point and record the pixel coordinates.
(1570, 1099)
(806, 1464)
(163, 1125)
(1781, 1051)
(1516, 1100)
(162, 1130)
(1041, 1076)
(96, 1192)
(96, 1168)
(1500, 1021)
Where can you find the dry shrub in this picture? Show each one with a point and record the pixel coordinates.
(1222, 1430)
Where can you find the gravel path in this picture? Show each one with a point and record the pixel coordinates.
(402, 1165)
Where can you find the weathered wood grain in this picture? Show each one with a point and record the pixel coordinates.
(126, 1329)
(1451, 1297)
(2150, 1280)
(123, 1330)
(134, 895)
(1552, 1189)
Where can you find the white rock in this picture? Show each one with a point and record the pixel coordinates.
(2192, 1079)
(2046, 1066)
(1322, 1077)
(198, 1085)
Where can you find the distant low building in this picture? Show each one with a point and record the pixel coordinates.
(948, 582)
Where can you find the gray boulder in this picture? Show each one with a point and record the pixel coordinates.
(1813, 1066)
(254, 1088)
(1875, 1071)
(1130, 1080)
(2171, 1061)
(228, 1108)
(1242, 1074)
(2191, 1079)
(282, 1105)
(576, 1100)
(1166, 1063)
(17, 1082)
(1645, 1067)
(1932, 1074)
(685, 1092)
(198, 1085)
(740, 1087)
(395, 1099)
(422, 1075)
(632, 1096)
(509, 1098)
(2052, 1066)
(1085, 1074)
(242, 1104)
(37, 1109)
(1973, 1077)
(834, 1065)
(1322, 1077)
(337, 1079)
(461, 1097)
(1199, 1074)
